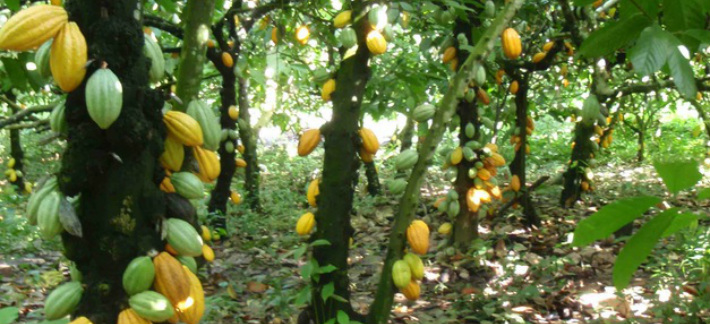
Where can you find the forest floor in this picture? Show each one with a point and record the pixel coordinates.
(514, 275)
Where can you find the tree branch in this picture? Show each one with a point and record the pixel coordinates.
(164, 25)
(20, 115)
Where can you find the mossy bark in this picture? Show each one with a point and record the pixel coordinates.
(517, 167)
(115, 170)
(197, 16)
(406, 135)
(373, 179)
(248, 137)
(340, 168)
(581, 154)
(18, 154)
(221, 192)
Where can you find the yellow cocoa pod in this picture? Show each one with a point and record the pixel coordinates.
(191, 313)
(512, 46)
(166, 185)
(275, 35)
(308, 142)
(31, 27)
(515, 183)
(171, 279)
(305, 224)
(418, 236)
(313, 192)
(343, 19)
(411, 291)
(302, 34)
(445, 228)
(484, 174)
(235, 197)
(68, 57)
(456, 156)
(699, 96)
(81, 320)
(492, 147)
(208, 164)
(183, 128)
(210, 43)
(585, 186)
(327, 90)
(548, 46)
(376, 43)
(496, 160)
(449, 54)
(173, 154)
(233, 112)
(369, 140)
(227, 59)
(499, 76)
(365, 156)
(129, 316)
(538, 57)
(565, 83)
(240, 149)
(241, 163)
(483, 96)
(514, 87)
(207, 253)
(206, 233)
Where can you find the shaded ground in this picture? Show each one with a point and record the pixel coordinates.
(516, 275)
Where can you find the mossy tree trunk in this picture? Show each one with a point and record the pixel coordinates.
(581, 155)
(249, 138)
(115, 171)
(18, 154)
(197, 16)
(407, 133)
(517, 167)
(373, 179)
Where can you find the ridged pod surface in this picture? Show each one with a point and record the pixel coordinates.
(348, 37)
(412, 291)
(376, 43)
(188, 262)
(406, 160)
(401, 273)
(313, 192)
(129, 316)
(151, 306)
(369, 140)
(138, 276)
(445, 228)
(183, 128)
(193, 313)
(305, 224)
(38, 197)
(343, 19)
(81, 320)
(424, 112)
(512, 46)
(187, 185)
(152, 50)
(415, 264)
(62, 300)
(449, 54)
(204, 116)
(57, 119)
(515, 183)
(207, 253)
(418, 236)
(173, 154)
(183, 237)
(327, 90)
(68, 57)
(171, 279)
(42, 59)
(308, 142)
(31, 27)
(104, 97)
(208, 164)
(48, 216)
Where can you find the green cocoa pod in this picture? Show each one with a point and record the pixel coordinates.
(139, 275)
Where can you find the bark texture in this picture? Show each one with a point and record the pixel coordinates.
(248, 136)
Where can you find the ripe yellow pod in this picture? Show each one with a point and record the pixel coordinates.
(548, 46)
(327, 90)
(208, 164)
(183, 128)
(483, 96)
(173, 154)
(365, 156)
(207, 253)
(235, 197)
(302, 34)
(515, 183)
(313, 192)
(191, 313)
(166, 185)
(456, 156)
(376, 43)
(275, 35)
(512, 46)
(449, 54)
(308, 142)
(206, 234)
(445, 228)
(31, 27)
(418, 236)
(81, 320)
(539, 57)
(499, 76)
(227, 59)
(129, 316)
(514, 87)
(305, 224)
(343, 19)
(412, 291)
(492, 147)
(233, 112)
(369, 141)
(241, 163)
(68, 57)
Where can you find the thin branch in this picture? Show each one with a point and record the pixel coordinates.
(164, 25)
(20, 115)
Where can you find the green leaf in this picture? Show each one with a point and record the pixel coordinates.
(682, 74)
(611, 218)
(680, 222)
(580, 3)
(651, 50)
(9, 314)
(328, 290)
(613, 36)
(648, 8)
(678, 175)
(330, 321)
(679, 15)
(343, 317)
(168, 5)
(327, 269)
(704, 194)
(13, 5)
(16, 71)
(308, 269)
(321, 242)
(304, 295)
(639, 247)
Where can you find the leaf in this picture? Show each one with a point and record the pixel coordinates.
(304, 295)
(330, 321)
(649, 8)
(308, 269)
(16, 71)
(682, 74)
(321, 242)
(300, 251)
(343, 317)
(9, 314)
(68, 218)
(679, 15)
(13, 5)
(680, 222)
(168, 5)
(328, 290)
(678, 175)
(613, 36)
(704, 194)
(610, 218)
(327, 269)
(581, 3)
(639, 246)
(651, 50)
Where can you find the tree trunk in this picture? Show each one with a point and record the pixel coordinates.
(373, 179)
(249, 138)
(639, 154)
(221, 192)
(197, 16)
(517, 167)
(407, 134)
(19, 156)
(116, 170)
(581, 154)
(466, 223)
